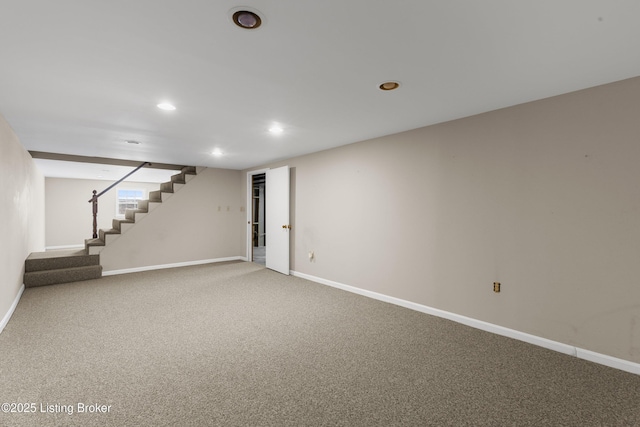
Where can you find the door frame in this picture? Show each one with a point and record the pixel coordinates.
(250, 210)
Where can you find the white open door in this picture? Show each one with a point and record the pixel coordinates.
(277, 219)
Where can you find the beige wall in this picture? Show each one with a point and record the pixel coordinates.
(21, 213)
(69, 215)
(543, 197)
(201, 221)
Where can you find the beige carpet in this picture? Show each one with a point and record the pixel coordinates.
(237, 345)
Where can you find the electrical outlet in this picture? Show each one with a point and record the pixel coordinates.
(496, 287)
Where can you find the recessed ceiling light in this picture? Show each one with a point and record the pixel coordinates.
(166, 106)
(217, 152)
(390, 85)
(275, 129)
(246, 19)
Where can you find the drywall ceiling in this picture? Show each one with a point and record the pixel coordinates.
(82, 77)
(94, 171)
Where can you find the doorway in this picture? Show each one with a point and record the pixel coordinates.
(258, 218)
(268, 193)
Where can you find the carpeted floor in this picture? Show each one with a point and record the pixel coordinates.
(236, 344)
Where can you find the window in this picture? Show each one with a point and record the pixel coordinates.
(127, 199)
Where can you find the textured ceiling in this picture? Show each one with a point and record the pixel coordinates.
(82, 77)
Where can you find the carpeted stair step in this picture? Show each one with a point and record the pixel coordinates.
(178, 178)
(166, 187)
(53, 260)
(102, 234)
(143, 204)
(155, 196)
(62, 275)
(53, 267)
(189, 170)
(181, 178)
(93, 246)
(130, 214)
(120, 224)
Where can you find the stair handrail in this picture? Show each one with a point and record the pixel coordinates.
(94, 198)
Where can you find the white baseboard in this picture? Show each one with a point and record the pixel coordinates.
(591, 356)
(177, 264)
(53, 248)
(612, 362)
(9, 313)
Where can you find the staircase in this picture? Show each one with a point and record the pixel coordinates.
(53, 267)
(120, 226)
